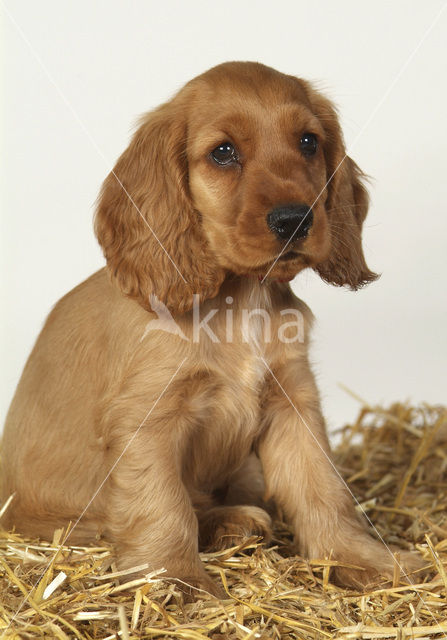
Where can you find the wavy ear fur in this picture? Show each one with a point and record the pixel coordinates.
(346, 205)
(149, 231)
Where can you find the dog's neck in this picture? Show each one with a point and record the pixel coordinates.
(251, 292)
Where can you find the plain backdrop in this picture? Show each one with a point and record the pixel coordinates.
(77, 74)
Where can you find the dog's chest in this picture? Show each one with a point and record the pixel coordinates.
(227, 413)
(225, 404)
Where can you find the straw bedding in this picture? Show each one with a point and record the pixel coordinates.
(395, 461)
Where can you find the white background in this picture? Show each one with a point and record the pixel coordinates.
(77, 74)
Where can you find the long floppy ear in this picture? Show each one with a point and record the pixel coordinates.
(149, 231)
(346, 204)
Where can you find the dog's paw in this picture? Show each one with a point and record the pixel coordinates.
(378, 565)
(198, 588)
(188, 574)
(228, 526)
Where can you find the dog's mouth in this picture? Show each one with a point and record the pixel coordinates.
(290, 255)
(284, 258)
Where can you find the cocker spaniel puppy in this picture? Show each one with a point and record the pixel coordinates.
(170, 394)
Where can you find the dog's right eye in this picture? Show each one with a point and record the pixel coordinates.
(225, 153)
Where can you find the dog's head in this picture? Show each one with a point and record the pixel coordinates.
(244, 171)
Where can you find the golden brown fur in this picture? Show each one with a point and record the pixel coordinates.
(201, 413)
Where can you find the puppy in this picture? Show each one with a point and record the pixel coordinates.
(161, 386)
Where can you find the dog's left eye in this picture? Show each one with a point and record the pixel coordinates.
(308, 144)
(225, 153)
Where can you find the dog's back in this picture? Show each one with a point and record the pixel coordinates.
(52, 416)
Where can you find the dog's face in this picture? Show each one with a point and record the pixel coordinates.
(258, 173)
(243, 172)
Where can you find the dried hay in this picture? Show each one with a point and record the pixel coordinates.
(395, 461)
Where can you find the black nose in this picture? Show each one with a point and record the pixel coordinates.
(290, 221)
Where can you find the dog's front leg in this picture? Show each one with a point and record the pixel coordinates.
(150, 517)
(301, 477)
